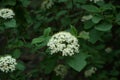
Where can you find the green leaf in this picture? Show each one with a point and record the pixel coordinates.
(107, 7)
(20, 66)
(77, 62)
(10, 24)
(84, 35)
(96, 19)
(61, 13)
(38, 40)
(47, 32)
(88, 24)
(25, 3)
(16, 53)
(94, 36)
(91, 8)
(73, 30)
(103, 27)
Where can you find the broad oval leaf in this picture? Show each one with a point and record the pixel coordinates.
(91, 8)
(16, 53)
(88, 24)
(38, 40)
(84, 35)
(10, 24)
(104, 27)
(96, 19)
(20, 66)
(77, 62)
(47, 31)
(73, 30)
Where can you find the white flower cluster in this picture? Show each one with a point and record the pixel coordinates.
(89, 72)
(61, 70)
(95, 1)
(64, 43)
(6, 13)
(87, 17)
(7, 64)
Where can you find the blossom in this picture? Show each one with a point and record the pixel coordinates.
(90, 71)
(61, 70)
(6, 13)
(95, 1)
(7, 64)
(108, 49)
(87, 17)
(64, 43)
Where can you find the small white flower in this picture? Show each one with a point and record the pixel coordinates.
(6, 13)
(95, 1)
(90, 71)
(108, 49)
(7, 64)
(64, 43)
(61, 70)
(87, 17)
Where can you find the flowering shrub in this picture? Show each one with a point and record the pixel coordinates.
(59, 39)
(7, 64)
(65, 43)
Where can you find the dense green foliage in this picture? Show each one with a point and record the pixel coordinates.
(25, 37)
